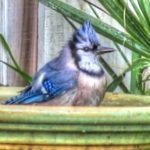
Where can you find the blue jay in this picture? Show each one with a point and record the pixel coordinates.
(74, 78)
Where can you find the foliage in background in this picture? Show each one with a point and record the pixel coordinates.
(134, 17)
(16, 67)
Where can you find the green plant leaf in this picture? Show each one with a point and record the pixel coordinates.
(140, 15)
(24, 75)
(8, 50)
(136, 37)
(133, 66)
(133, 26)
(114, 76)
(145, 8)
(122, 54)
(16, 66)
(101, 27)
(103, 62)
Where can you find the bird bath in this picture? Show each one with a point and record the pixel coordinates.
(121, 122)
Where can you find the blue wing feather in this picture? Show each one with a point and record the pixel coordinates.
(27, 98)
(52, 88)
(56, 79)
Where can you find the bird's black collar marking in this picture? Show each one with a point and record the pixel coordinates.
(93, 74)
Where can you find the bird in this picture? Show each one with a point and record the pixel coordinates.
(74, 78)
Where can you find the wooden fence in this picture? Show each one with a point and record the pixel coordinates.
(36, 34)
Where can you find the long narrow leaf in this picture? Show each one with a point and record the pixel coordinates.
(117, 12)
(145, 7)
(122, 54)
(8, 50)
(114, 76)
(140, 15)
(25, 76)
(70, 22)
(134, 65)
(136, 25)
(116, 8)
(92, 4)
(103, 62)
(113, 85)
(107, 67)
(134, 74)
(96, 14)
(100, 26)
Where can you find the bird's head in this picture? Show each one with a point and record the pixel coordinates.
(86, 46)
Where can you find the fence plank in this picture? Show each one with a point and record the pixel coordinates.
(11, 20)
(20, 28)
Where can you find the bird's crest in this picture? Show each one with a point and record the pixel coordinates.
(86, 33)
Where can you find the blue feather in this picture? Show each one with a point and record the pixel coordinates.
(57, 88)
(52, 90)
(27, 98)
(87, 33)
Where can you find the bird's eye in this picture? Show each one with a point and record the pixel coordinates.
(86, 49)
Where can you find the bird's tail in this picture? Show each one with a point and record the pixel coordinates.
(26, 98)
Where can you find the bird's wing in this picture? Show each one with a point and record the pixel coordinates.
(51, 87)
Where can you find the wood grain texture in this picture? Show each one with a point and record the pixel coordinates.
(11, 28)
(21, 27)
(29, 49)
(54, 31)
(3, 25)
(54, 36)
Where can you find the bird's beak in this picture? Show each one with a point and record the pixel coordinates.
(104, 50)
